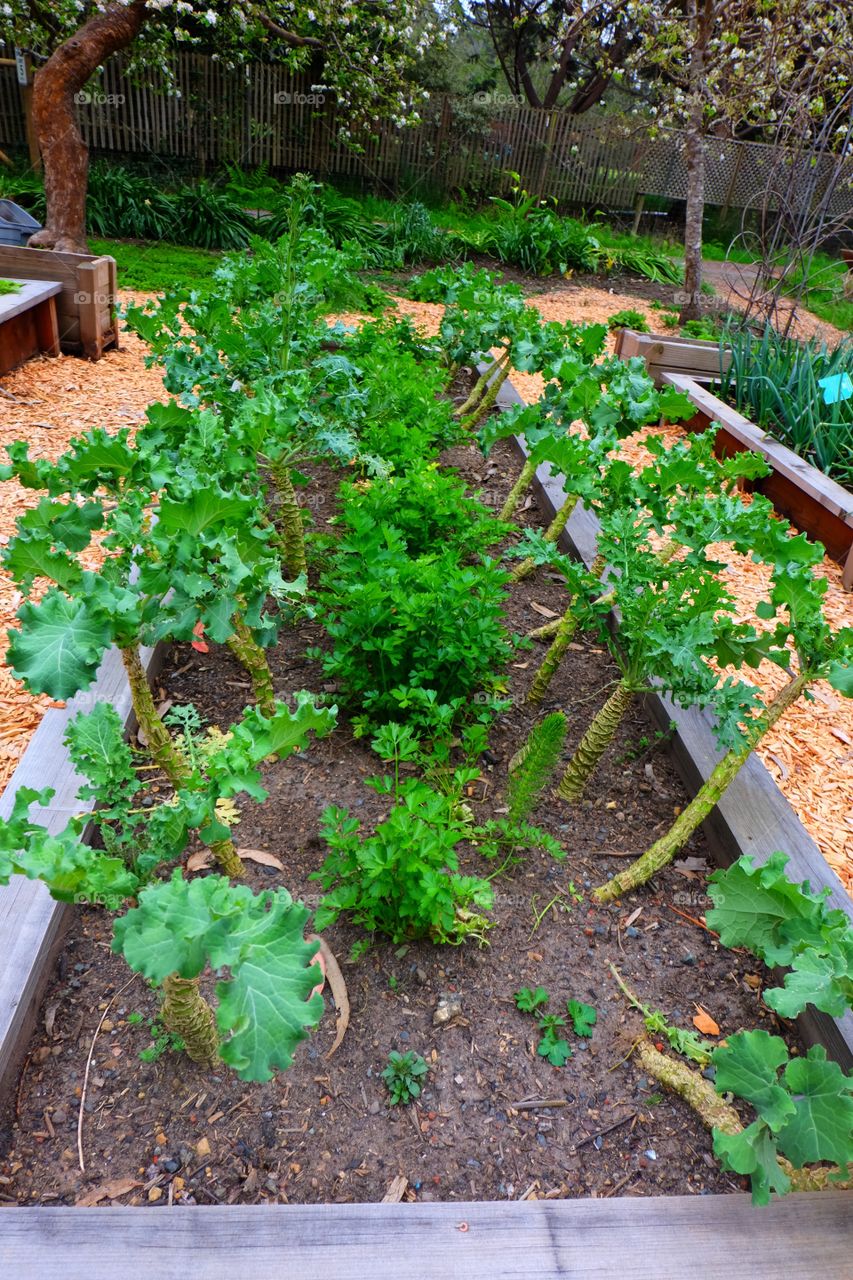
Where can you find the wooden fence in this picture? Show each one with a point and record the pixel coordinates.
(262, 114)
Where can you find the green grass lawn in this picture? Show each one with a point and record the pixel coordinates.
(158, 267)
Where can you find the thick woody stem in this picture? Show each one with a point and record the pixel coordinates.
(187, 1014)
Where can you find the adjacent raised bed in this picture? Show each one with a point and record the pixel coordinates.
(812, 501)
(86, 301)
(664, 354)
(28, 323)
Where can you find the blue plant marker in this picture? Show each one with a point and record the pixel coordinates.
(838, 387)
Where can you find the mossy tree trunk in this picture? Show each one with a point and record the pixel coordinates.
(703, 803)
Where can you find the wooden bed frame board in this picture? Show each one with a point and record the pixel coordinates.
(807, 1236)
(753, 815)
(31, 922)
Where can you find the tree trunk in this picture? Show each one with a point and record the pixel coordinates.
(695, 159)
(64, 153)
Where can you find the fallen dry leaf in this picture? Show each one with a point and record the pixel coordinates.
(705, 1023)
(338, 988)
(198, 861)
(259, 855)
(106, 1191)
(542, 610)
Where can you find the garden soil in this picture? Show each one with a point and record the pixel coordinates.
(495, 1121)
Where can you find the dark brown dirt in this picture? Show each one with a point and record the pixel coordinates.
(166, 1130)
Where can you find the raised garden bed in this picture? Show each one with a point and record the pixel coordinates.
(452, 1140)
(666, 353)
(813, 501)
(494, 1121)
(86, 299)
(28, 323)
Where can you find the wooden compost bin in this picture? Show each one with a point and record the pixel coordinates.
(86, 305)
(633, 1238)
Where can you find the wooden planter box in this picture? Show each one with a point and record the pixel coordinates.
(662, 355)
(28, 323)
(813, 502)
(632, 1238)
(86, 305)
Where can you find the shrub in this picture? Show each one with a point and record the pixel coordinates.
(207, 218)
(705, 329)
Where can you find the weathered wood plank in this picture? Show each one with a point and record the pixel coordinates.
(632, 1238)
(30, 920)
(30, 294)
(663, 354)
(753, 816)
